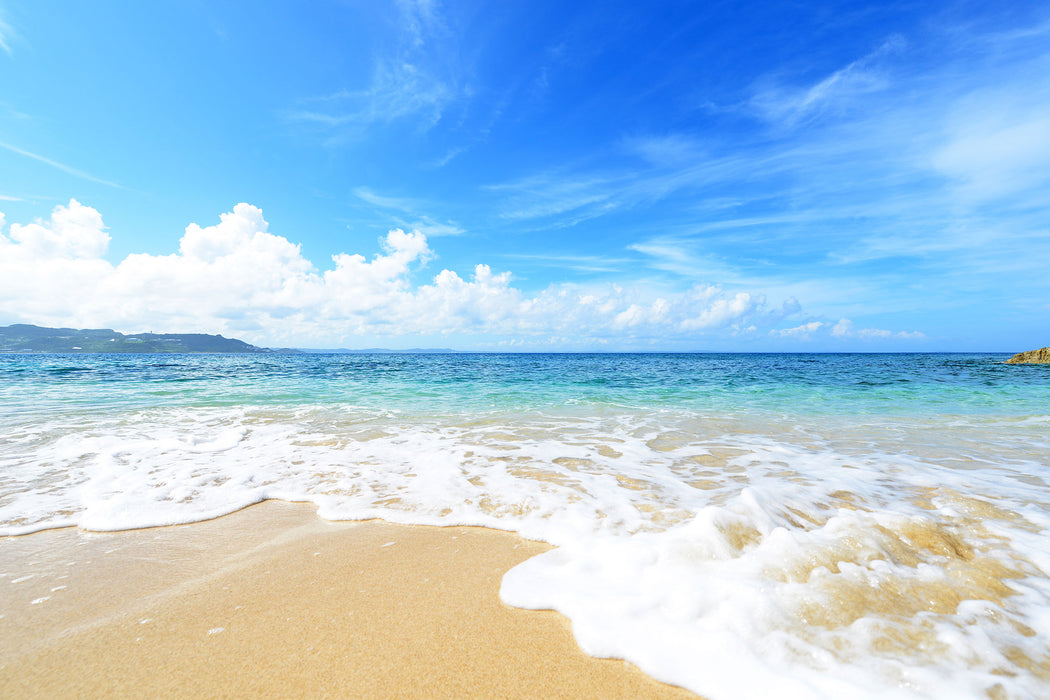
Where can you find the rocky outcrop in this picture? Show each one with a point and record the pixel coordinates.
(1032, 357)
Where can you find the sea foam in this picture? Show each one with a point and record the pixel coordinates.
(736, 553)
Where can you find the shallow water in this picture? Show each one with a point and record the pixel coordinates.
(804, 525)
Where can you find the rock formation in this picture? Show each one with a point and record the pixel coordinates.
(1032, 357)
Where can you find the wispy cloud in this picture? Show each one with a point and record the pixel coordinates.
(12, 112)
(681, 257)
(579, 263)
(674, 149)
(6, 32)
(403, 204)
(416, 78)
(997, 144)
(433, 228)
(407, 213)
(917, 170)
(570, 196)
(60, 166)
(843, 89)
(844, 329)
(449, 156)
(578, 193)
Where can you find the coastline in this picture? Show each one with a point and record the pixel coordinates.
(274, 601)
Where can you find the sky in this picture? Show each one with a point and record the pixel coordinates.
(530, 175)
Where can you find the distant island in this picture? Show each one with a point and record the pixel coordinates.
(381, 351)
(26, 338)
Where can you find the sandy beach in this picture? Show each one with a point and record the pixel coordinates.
(273, 601)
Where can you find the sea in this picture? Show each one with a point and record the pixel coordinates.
(742, 525)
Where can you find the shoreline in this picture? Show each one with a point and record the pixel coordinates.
(272, 600)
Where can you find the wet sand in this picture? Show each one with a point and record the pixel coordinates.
(273, 601)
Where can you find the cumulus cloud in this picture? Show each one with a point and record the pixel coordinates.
(236, 277)
(723, 311)
(802, 331)
(75, 231)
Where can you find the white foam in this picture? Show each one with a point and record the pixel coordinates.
(735, 556)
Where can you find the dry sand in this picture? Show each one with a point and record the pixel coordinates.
(272, 601)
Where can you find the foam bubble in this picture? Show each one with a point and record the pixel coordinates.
(737, 555)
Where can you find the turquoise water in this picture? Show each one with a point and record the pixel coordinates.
(818, 525)
(810, 384)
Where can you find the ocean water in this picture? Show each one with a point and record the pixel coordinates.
(742, 525)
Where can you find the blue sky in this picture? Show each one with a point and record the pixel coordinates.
(530, 175)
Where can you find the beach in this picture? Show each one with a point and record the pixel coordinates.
(274, 601)
(790, 526)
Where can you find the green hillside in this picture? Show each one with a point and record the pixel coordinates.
(26, 338)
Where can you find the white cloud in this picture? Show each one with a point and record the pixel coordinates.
(839, 91)
(665, 150)
(929, 159)
(680, 257)
(635, 315)
(416, 77)
(995, 146)
(405, 212)
(546, 195)
(6, 32)
(722, 311)
(802, 331)
(844, 329)
(75, 231)
(46, 265)
(238, 278)
(59, 166)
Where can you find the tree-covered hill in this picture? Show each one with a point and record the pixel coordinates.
(27, 338)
